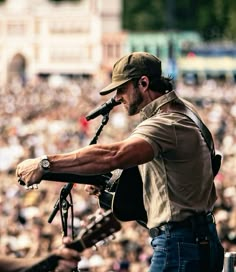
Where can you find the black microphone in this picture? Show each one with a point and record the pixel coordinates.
(103, 109)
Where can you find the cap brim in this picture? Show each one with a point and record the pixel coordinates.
(113, 86)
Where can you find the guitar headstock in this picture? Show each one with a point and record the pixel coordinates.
(102, 227)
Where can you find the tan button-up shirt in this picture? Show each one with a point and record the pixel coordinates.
(179, 180)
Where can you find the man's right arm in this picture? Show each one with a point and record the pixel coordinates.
(13, 264)
(65, 260)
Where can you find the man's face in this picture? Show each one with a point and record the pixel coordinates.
(130, 97)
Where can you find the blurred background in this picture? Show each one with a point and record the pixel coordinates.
(55, 57)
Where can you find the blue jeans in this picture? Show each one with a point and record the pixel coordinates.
(175, 250)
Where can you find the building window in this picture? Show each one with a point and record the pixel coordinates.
(69, 27)
(109, 50)
(37, 26)
(118, 49)
(15, 28)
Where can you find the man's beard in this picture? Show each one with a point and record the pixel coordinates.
(133, 107)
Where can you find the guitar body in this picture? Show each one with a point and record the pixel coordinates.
(126, 201)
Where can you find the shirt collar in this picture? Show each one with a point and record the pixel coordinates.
(153, 107)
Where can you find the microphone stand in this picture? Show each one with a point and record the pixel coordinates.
(99, 130)
(62, 203)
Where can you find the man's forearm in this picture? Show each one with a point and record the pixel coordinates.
(12, 264)
(89, 160)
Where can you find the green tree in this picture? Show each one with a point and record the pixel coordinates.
(143, 15)
(64, 0)
(230, 30)
(213, 19)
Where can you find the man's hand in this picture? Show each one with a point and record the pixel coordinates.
(70, 257)
(92, 190)
(29, 172)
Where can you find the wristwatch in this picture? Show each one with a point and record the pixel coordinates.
(45, 163)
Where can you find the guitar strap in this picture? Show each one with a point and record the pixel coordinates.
(203, 244)
(180, 107)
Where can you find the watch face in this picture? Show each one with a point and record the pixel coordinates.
(45, 163)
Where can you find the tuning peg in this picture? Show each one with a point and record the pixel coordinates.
(91, 218)
(95, 248)
(100, 243)
(113, 237)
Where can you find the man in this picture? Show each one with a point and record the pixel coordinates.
(174, 162)
(67, 262)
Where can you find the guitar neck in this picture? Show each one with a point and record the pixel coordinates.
(98, 180)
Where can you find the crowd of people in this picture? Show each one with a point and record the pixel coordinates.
(44, 117)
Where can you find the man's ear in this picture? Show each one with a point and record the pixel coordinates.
(144, 81)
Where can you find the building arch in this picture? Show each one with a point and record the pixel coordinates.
(17, 69)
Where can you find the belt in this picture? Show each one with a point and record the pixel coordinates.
(200, 218)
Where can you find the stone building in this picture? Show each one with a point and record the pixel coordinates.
(40, 37)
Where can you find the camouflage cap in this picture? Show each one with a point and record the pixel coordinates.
(133, 66)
